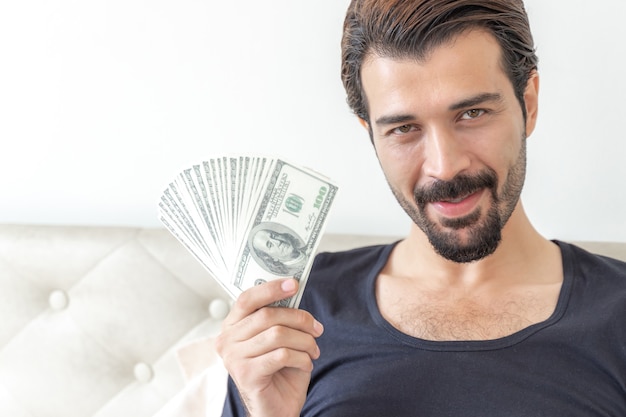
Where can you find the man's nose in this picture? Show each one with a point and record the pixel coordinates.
(445, 154)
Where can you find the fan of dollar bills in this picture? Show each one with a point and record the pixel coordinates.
(249, 219)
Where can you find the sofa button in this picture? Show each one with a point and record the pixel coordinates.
(218, 309)
(143, 372)
(58, 300)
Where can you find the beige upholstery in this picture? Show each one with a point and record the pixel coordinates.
(92, 317)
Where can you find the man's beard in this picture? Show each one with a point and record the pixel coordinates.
(484, 231)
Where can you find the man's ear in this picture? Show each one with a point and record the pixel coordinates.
(366, 126)
(531, 100)
(364, 123)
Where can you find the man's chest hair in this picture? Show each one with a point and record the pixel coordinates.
(453, 318)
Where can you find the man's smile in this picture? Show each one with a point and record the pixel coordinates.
(461, 206)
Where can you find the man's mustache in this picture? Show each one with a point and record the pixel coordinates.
(459, 186)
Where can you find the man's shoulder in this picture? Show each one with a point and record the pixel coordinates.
(599, 276)
(588, 258)
(335, 274)
(360, 257)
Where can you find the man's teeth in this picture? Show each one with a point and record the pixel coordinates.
(456, 200)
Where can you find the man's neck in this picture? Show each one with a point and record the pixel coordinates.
(521, 250)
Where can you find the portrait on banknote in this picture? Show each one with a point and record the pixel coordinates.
(278, 249)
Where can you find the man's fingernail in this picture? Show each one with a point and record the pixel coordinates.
(288, 285)
(318, 327)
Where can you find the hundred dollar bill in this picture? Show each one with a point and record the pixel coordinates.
(286, 230)
(249, 219)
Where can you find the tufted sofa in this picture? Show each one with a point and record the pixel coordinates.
(93, 319)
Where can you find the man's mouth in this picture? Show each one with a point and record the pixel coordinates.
(459, 206)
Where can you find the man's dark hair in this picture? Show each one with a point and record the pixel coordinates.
(402, 29)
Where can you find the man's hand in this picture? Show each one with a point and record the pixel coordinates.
(269, 351)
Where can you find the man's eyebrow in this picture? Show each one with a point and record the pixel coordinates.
(476, 100)
(394, 119)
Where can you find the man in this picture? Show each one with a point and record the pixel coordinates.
(474, 313)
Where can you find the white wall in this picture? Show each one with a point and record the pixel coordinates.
(102, 102)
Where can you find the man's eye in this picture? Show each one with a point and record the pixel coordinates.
(402, 129)
(473, 114)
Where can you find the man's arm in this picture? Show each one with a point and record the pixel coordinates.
(269, 351)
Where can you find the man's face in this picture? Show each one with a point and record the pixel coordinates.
(451, 139)
(273, 244)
